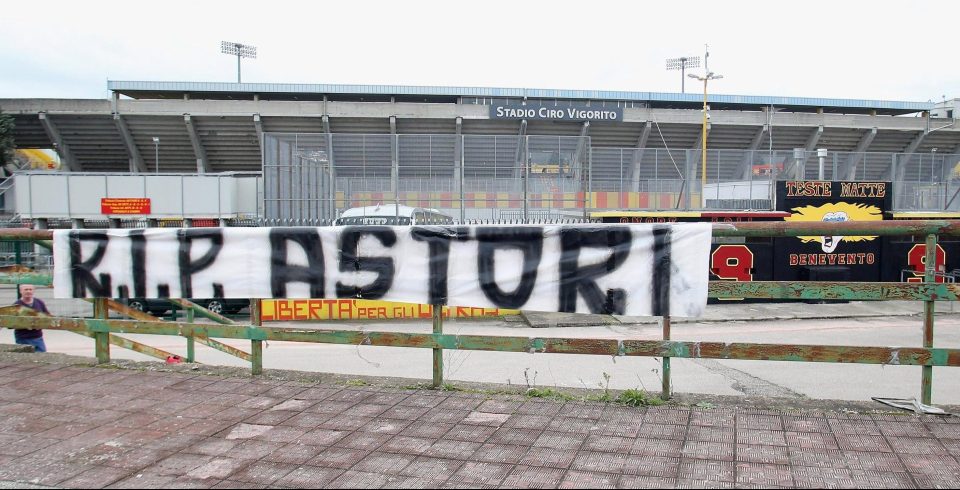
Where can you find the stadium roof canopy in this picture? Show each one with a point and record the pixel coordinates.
(407, 93)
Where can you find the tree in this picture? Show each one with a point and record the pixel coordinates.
(7, 145)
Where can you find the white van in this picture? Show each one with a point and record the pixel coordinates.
(392, 214)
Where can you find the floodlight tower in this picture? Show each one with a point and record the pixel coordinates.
(238, 50)
(682, 64)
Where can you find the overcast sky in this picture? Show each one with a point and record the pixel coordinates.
(837, 49)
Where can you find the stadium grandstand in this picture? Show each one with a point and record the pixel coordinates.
(302, 153)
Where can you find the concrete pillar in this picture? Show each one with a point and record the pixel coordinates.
(77, 223)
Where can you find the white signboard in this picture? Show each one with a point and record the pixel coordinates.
(636, 269)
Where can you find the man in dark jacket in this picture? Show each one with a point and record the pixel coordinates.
(30, 337)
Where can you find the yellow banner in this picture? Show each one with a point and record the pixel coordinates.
(280, 310)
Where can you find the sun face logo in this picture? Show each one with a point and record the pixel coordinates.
(835, 212)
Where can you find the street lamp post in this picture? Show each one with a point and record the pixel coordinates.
(706, 78)
(156, 155)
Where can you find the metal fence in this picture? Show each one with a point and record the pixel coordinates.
(311, 178)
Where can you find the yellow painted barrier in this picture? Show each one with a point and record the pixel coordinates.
(278, 310)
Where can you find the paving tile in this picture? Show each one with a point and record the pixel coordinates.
(595, 462)
(618, 428)
(662, 431)
(499, 453)
(810, 477)
(548, 457)
(582, 411)
(407, 445)
(817, 458)
(331, 406)
(795, 423)
(438, 469)
(296, 454)
(587, 479)
(447, 416)
(534, 407)
(873, 461)
(708, 471)
(96, 477)
(179, 464)
(750, 453)
(434, 430)
(217, 468)
(213, 446)
(473, 472)
(761, 436)
(670, 448)
(138, 458)
(364, 440)
(712, 418)
(533, 477)
(403, 412)
(471, 433)
(526, 421)
(270, 417)
(857, 442)
(881, 479)
(308, 477)
(640, 481)
(239, 484)
(145, 480)
(711, 434)
(929, 465)
(717, 451)
(307, 419)
(559, 440)
(764, 475)
(383, 463)
(609, 444)
(384, 426)
(511, 435)
(657, 466)
(814, 440)
(323, 437)
(759, 422)
(338, 457)
(452, 449)
(499, 406)
(572, 424)
(254, 449)
(411, 482)
(365, 410)
(281, 433)
(904, 428)
(916, 445)
(857, 427)
(667, 415)
(359, 479)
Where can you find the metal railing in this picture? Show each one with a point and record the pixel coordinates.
(103, 329)
(471, 176)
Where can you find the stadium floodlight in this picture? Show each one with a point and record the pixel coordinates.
(682, 64)
(238, 50)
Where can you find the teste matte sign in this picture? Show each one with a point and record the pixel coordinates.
(830, 258)
(556, 113)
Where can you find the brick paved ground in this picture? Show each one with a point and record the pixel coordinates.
(71, 426)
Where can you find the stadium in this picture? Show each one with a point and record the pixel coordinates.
(301, 154)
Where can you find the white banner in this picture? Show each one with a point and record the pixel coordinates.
(632, 269)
